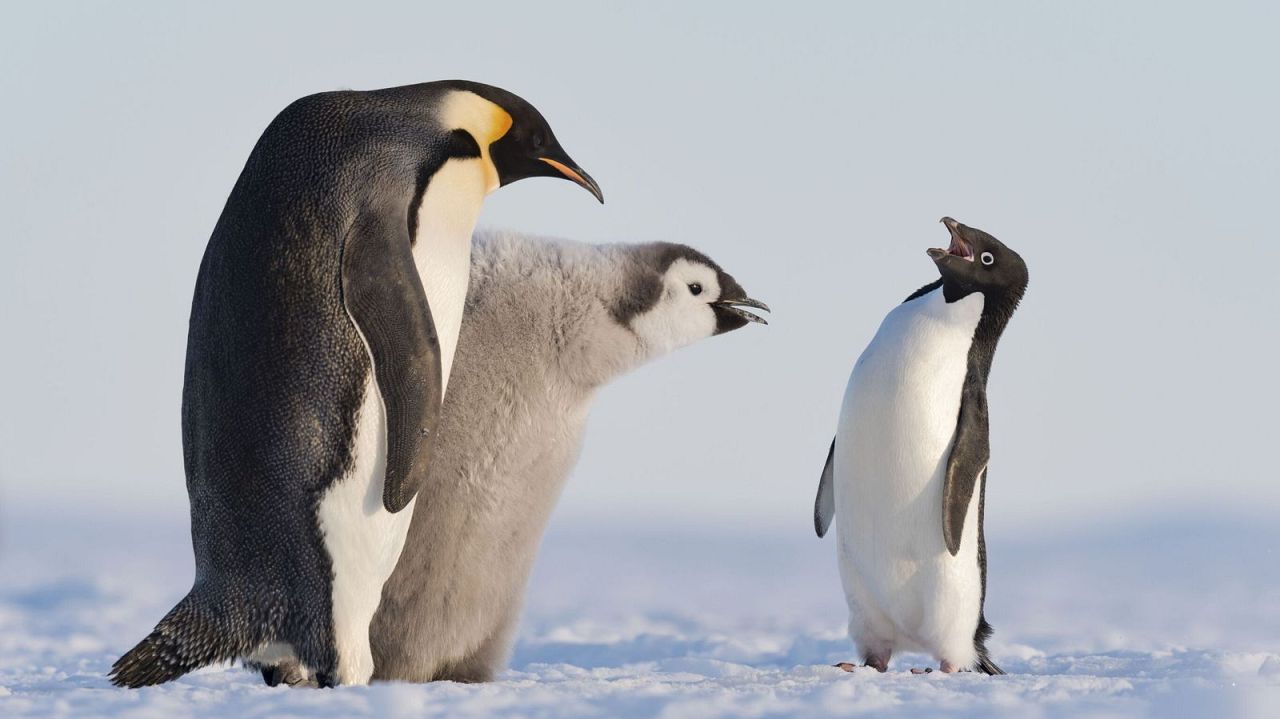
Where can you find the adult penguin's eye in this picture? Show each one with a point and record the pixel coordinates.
(988, 258)
(695, 288)
(539, 140)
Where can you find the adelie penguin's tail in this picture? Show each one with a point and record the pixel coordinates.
(980, 638)
(986, 665)
(194, 634)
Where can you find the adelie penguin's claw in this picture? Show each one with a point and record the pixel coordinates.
(918, 670)
(272, 676)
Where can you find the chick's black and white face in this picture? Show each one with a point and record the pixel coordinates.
(692, 299)
(683, 313)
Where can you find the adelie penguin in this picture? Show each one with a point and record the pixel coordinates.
(906, 474)
(322, 333)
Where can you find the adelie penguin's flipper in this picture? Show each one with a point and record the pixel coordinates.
(970, 451)
(385, 298)
(824, 507)
(194, 634)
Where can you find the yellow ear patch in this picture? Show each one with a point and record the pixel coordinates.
(463, 110)
(500, 122)
(468, 111)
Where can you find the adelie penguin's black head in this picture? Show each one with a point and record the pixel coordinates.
(525, 145)
(978, 262)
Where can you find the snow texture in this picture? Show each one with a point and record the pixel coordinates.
(1170, 618)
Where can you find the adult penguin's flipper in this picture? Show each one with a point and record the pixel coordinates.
(385, 298)
(970, 451)
(824, 507)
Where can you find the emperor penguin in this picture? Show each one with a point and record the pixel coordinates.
(548, 322)
(907, 471)
(321, 341)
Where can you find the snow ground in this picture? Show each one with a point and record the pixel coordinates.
(1169, 618)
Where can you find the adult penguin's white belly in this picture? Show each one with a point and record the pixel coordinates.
(442, 252)
(364, 540)
(897, 424)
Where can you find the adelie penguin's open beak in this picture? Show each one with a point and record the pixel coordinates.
(572, 172)
(734, 307)
(959, 246)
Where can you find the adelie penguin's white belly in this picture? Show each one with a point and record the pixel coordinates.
(897, 423)
(363, 539)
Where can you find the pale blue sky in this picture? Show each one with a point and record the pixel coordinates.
(1128, 151)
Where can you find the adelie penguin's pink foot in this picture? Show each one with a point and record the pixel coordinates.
(949, 668)
(847, 666)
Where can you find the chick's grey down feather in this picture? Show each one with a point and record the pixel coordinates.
(546, 325)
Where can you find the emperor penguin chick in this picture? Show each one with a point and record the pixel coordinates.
(907, 470)
(547, 323)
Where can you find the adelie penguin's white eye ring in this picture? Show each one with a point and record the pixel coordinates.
(988, 258)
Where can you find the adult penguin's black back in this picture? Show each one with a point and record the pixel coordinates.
(309, 292)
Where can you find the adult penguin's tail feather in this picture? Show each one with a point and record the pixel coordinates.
(194, 634)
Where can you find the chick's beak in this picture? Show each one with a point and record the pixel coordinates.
(734, 307)
(572, 172)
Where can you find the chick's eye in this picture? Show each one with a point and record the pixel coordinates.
(988, 258)
(695, 288)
